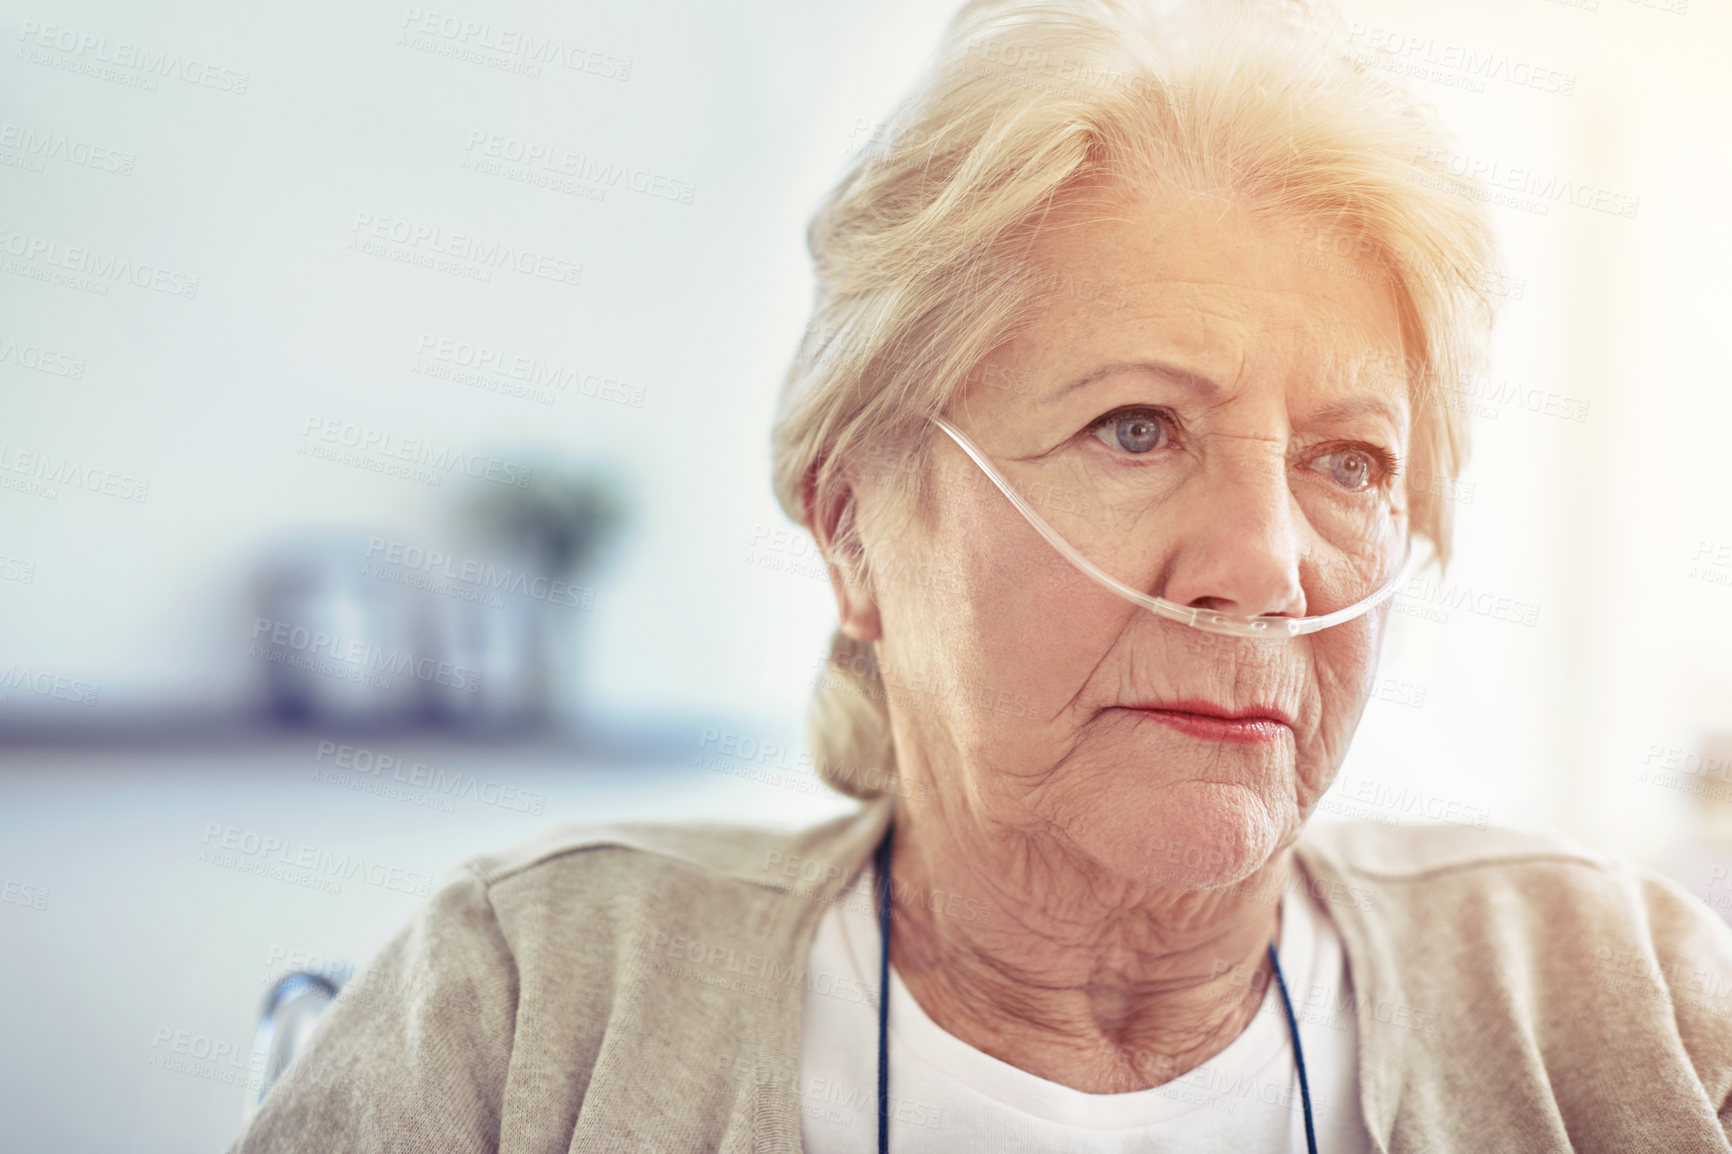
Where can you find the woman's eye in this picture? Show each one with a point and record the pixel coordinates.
(1133, 432)
(1355, 470)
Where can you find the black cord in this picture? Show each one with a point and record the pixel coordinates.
(1298, 1053)
(884, 898)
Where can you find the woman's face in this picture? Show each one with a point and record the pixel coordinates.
(1020, 688)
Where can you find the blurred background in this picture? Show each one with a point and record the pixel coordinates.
(384, 472)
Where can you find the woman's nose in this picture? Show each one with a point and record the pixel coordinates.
(1237, 542)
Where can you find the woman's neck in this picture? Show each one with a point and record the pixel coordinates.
(1078, 978)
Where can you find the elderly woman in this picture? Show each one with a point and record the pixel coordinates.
(1132, 335)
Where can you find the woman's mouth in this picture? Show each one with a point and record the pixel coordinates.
(1211, 722)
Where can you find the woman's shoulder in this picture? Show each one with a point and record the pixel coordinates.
(1414, 850)
(1563, 908)
(1528, 866)
(1575, 974)
(604, 860)
(520, 962)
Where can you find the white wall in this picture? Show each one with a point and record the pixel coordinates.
(699, 305)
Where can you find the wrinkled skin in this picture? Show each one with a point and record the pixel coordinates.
(1116, 846)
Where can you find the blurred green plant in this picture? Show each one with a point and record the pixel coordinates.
(558, 523)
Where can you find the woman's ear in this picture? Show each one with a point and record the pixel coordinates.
(829, 519)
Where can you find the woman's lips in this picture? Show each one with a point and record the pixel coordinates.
(1212, 723)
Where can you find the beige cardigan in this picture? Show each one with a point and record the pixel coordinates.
(639, 988)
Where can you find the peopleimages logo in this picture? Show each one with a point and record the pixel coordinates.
(40, 145)
(87, 52)
(381, 235)
(1424, 597)
(444, 356)
(52, 470)
(41, 359)
(1528, 182)
(389, 448)
(16, 893)
(1456, 65)
(585, 168)
(282, 636)
(472, 571)
(228, 846)
(380, 766)
(1411, 801)
(17, 677)
(45, 253)
(481, 41)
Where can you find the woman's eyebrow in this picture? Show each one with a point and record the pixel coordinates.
(1204, 388)
(1363, 405)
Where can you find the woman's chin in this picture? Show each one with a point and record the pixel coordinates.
(1194, 835)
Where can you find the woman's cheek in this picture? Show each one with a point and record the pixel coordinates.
(1342, 692)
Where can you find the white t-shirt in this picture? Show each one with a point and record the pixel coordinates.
(946, 1097)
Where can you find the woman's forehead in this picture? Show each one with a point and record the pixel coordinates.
(1231, 268)
(1212, 295)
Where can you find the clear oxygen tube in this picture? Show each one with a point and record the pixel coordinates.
(1207, 620)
